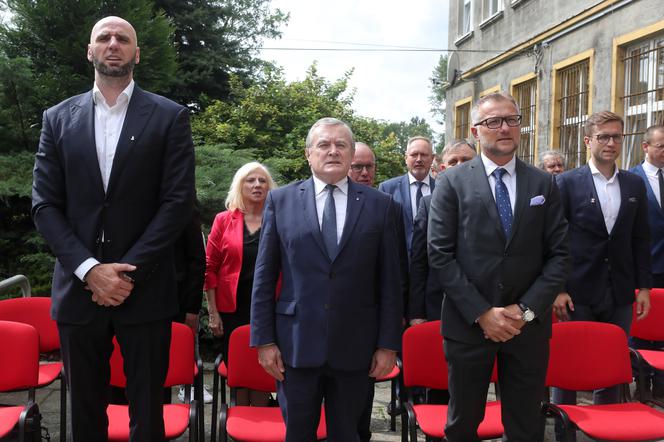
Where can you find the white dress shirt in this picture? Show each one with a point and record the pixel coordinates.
(509, 178)
(340, 202)
(608, 192)
(108, 125)
(426, 190)
(653, 179)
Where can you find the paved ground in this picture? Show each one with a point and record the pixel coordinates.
(48, 400)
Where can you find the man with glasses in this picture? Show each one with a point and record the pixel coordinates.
(498, 244)
(363, 167)
(650, 172)
(607, 211)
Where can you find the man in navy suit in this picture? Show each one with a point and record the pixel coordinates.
(113, 188)
(338, 315)
(408, 189)
(607, 211)
(651, 172)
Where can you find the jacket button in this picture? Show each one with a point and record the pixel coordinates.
(606, 259)
(500, 285)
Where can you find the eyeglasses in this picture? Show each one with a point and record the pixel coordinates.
(497, 122)
(604, 138)
(359, 167)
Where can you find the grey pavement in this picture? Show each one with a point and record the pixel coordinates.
(49, 401)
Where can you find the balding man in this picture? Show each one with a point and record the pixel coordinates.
(408, 189)
(363, 167)
(113, 188)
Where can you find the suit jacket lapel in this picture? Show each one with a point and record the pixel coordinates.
(308, 197)
(587, 182)
(404, 188)
(83, 120)
(480, 183)
(522, 186)
(353, 209)
(138, 115)
(652, 199)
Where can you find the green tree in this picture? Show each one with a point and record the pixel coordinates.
(214, 39)
(404, 130)
(47, 39)
(437, 97)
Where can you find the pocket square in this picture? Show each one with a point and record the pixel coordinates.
(537, 200)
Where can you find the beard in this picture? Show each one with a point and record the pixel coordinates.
(113, 71)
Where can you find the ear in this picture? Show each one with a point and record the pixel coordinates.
(137, 59)
(473, 130)
(644, 146)
(89, 54)
(586, 141)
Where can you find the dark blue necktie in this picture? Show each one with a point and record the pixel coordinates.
(329, 225)
(661, 188)
(503, 201)
(418, 195)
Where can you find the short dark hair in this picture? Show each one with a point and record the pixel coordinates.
(598, 118)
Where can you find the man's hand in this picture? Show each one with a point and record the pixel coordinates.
(215, 324)
(382, 362)
(109, 284)
(642, 304)
(417, 321)
(497, 323)
(191, 320)
(269, 357)
(561, 304)
(514, 315)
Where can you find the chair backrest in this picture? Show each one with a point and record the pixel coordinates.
(587, 356)
(180, 360)
(35, 311)
(424, 363)
(244, 371)
(19, 356)
(650, 328)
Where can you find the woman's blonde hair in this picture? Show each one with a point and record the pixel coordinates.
(234, 197)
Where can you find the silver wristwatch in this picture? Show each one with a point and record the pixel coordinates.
(527, 315)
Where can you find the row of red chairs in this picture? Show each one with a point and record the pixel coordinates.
(34, 313)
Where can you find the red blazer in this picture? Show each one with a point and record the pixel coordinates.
(224, 258)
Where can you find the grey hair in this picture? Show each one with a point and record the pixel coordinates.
(550, 153)
(419, 137)
(328, 121)
(455, 144)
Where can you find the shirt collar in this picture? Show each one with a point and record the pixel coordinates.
(412, 179)
(319, 185)
(595, 171)
(649, 168)
(490, 166)
(98, 97)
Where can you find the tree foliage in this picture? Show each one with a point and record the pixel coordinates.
(214, 39)
(438, 88)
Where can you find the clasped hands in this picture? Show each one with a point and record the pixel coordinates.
(109, 284)
(269, 357)
(500, 324)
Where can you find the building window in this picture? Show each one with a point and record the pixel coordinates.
(643, 99)
(491, 8)
(462, 119)
(572, 110)
(465, 11)
(525, 94)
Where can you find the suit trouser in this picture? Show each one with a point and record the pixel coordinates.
(86, 350)
(302, 392)
(522, 364)
(608, 312)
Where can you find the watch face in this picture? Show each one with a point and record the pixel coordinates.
(528, 315)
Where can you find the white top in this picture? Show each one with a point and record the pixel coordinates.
(608, 192)
(340, 202)
(426, 190)
(509, 178)
(108, 125)
(653, 179)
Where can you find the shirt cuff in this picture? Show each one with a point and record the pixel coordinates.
(84, 268)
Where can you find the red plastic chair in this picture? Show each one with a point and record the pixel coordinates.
(424, 365)
(19, 370)
(177, 417)
(251, 423)
(36, 311)
(592, 355)
(650, 328)
(394, 408)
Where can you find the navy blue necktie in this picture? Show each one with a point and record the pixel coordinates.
(503, 201)
(661, 188)
(418, 195)
(329, 225)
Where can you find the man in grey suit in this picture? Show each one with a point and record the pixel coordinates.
(498, 243)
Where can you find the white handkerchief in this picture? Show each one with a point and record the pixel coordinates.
(537, 200)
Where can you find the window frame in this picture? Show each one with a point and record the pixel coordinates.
(530, 117)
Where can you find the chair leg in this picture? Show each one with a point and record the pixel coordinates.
(29, 421)
(215, 403)
(193, 422)
(393, 405)
(223, 437)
